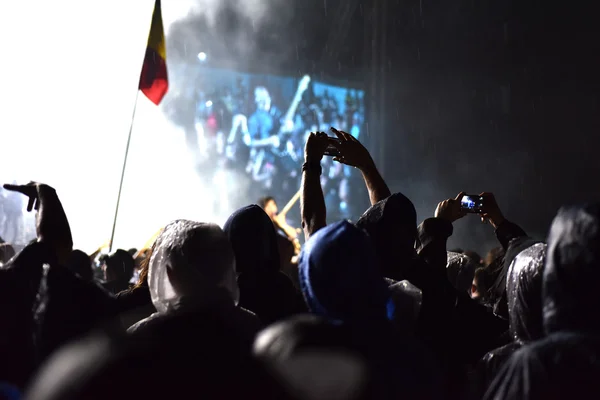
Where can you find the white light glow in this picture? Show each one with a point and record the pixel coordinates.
(202, 56)
(70, 74)
(209, 104)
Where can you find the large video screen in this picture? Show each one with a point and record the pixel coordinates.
(253, 128)
(221, 140)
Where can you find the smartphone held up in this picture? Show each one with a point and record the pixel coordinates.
(472, 204)
(333, 148)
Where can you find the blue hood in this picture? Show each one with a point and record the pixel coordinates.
(339, 276)
(570, 283)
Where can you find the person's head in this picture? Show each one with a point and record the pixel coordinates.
(268, 204)
(262, 98)
(191, 259)
(80, 264)
(339, 278)
(392, 226)
(460, 269)
(494, 257)
(572, 271)
(253, 238)
(118, 266)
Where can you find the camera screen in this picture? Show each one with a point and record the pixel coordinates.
(471, 202)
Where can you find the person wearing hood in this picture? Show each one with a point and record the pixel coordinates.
(524, 292)
(118, 270)
(352, 309)
(264, 289)
(564, 364)
(192, 279)
(513, 240)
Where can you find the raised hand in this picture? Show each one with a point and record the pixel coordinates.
(491, 211)
(31, 190)
(352, 152)
(450, 209)
(316, 144)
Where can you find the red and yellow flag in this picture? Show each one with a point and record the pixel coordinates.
(153, 80)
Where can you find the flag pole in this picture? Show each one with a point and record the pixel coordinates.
(112, 235)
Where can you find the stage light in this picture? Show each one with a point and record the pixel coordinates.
(209, 104)
(202, 56)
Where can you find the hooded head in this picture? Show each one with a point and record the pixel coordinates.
(254, 241)
(570, 295)
(339, 277)
(192, 260)
(119, 266)
(524, 292)
(392, 225)
(460, 269)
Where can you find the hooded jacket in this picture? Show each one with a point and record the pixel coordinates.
(264, 289)
(392, 225)
(201, 258)
(461, 270)
(524, 292)
(566, 363)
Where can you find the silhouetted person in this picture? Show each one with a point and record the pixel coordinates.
(353, 308)
(192, 279)
(264, 289)
(80, 264)
(566, 363)
(118, 270)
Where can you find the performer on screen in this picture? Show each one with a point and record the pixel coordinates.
(269, 135)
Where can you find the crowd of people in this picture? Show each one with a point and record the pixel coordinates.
(375, 309)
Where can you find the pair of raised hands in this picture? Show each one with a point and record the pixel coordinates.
(351, 151)
(450, 209)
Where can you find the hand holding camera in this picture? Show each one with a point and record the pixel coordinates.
(485, 205)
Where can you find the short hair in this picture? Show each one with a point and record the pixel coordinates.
(120, 264)
(263, 201)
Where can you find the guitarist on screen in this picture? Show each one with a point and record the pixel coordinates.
(268, 129)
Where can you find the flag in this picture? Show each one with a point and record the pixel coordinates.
(153, 79)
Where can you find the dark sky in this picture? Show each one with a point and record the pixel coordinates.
(479, 95)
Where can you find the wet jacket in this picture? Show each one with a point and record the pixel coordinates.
(513, 240)
(185, 247)
(46, 306)
(524, 292)
(565, 364)
(264, 288)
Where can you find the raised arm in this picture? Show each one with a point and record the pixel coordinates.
(354, 154)
(312, 202)
(52, 224)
